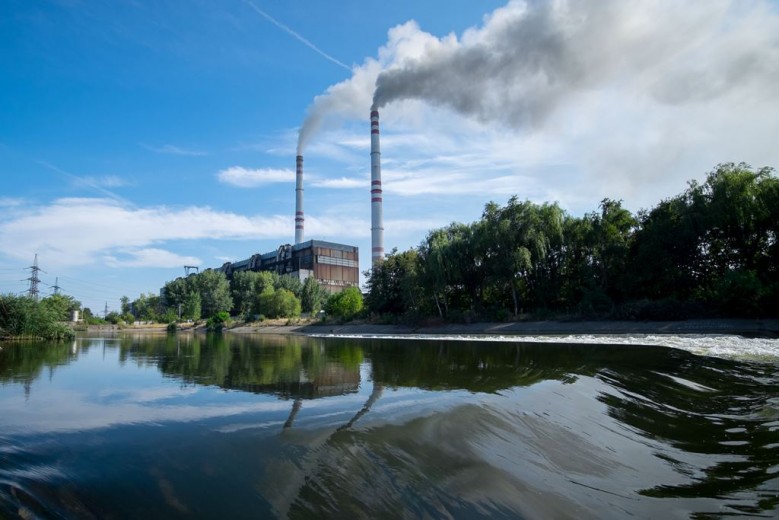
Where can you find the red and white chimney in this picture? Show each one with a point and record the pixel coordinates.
(377, 220)
(299, 220)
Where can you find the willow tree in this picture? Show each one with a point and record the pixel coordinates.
(519, 242)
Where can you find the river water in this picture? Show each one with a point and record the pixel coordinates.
(330, 427)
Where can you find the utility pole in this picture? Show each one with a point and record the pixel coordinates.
(56, 286)
(34, 279)
(105, 311)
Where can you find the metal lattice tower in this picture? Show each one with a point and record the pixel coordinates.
(34, 279)
(56, 286)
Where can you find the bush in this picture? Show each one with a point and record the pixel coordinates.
(218, 321)
(24, 317)
(346, 304)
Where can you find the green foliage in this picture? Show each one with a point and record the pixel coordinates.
(191, 308)
(711, 249)
(312, 296)
(218, 321)
(394, 286)
(61, 306)
(214, 292)
(346, 304)
(24, 317)
(280, 303)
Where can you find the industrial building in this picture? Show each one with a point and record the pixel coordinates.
(334, 266)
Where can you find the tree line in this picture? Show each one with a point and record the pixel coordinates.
(247, 296)
(710, 251)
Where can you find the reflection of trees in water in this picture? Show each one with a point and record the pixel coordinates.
(726, 411)
(288, 366)
(24, 361)
(713, 421)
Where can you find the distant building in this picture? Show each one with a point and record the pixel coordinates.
(334, 266)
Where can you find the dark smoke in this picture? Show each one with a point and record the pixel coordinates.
(515, 72)
(529, 58)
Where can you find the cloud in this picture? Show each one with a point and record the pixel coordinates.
(11, 202)
(567, 101)
(150, 257)
(248, 178)
(174, 150)
(341, 183)
(76, 232)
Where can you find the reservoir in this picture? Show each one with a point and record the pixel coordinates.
(263, 426)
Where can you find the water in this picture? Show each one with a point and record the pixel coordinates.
(283, 426)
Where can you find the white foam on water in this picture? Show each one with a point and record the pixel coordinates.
(715, 345)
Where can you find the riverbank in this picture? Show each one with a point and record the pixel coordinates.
(767, 328)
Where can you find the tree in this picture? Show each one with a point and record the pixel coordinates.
(214, 291)
(243, 287)
(394, 285)
(61, 306)
(191, 308)
(312, 296)
(346, 304)
(125, 308)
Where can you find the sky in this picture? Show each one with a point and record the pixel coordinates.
(137, 137)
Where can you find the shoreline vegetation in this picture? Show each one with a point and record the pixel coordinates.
(704, 261)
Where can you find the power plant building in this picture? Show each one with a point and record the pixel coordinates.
(334, 266)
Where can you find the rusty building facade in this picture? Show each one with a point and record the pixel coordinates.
(334, 266)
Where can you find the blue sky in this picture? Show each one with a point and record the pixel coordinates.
(137, 137)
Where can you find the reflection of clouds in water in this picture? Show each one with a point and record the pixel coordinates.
(144, 395)
(473, 458)
(66, 410)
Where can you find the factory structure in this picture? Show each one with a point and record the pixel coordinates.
(335, 266)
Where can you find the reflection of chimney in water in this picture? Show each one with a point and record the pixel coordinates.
(299, 220)
(377, 220)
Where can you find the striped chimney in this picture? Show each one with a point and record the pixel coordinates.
(377, 220)
(299, 220)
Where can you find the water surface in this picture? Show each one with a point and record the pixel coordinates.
(253, 427)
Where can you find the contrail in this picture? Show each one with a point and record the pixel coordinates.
(297, 36)
(85, 182)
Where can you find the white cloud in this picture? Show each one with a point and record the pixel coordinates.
(90, 231)
(628, 100)
(252, 178)
(150, 257)
(10, 202)
(341, 183)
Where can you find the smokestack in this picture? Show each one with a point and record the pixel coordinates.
(299, 220)
(377, 220)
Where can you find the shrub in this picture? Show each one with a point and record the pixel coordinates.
(346, 304)
(218, 321)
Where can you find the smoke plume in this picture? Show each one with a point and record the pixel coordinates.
(528, 59)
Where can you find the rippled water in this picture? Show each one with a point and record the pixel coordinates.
(254, 427)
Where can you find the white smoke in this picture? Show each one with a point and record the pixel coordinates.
(529, 59)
